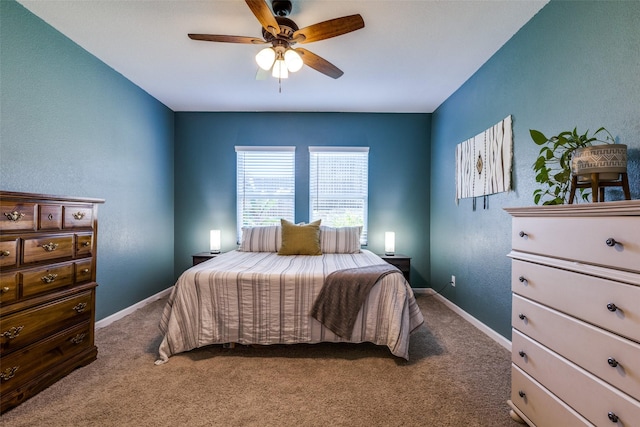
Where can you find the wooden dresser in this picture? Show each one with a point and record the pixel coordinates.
(576, 314)
(47, 290)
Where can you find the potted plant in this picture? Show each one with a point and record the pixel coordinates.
(564, 154)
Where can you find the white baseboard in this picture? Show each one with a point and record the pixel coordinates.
(119, 315)
(466, 316)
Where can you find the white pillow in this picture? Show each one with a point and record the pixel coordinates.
(340, 240)
(261, 239)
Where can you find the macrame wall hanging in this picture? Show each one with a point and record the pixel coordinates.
(483, 163)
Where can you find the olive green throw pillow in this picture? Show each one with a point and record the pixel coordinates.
(300, 239)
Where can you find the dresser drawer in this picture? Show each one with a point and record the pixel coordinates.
(78, 216)
(28, 326)
(49, 217)
(38, 358)
(17, 216)
(586, 394)
(47, 248)
(8, 253)
(582, 239)
(83, 244)
(539, 405)
(589, 298)
(83, 271)
(8, 287)
(613, 359)
(39, 280)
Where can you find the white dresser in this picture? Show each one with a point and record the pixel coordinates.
(576, 314)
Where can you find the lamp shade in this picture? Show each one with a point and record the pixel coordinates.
(214, 241)
(265, 58)
(280, 69)
(293, 60)
(389, 243)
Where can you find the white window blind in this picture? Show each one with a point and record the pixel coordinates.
(265, 185)
(339, 186)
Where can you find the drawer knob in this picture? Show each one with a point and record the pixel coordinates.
(78, 338)
(78, 215)
(49, 278)
(612, 307)
(8, 373)
(85, 270)
(13, 332)
(522, 353)
(612, 417)
(612, 362)
(5, 289)
(50, 247)
(85, 244)
(14, 216)
(611, 242)
(521, 393)
(80, 307)
(523, 234)
(5, 253)
(522, 279)
(522, 316)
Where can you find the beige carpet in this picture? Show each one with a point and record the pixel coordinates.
(456, 377)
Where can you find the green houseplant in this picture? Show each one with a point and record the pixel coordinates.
(553, 165)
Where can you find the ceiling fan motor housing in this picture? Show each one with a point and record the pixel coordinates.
(281, 7)
(287, 28)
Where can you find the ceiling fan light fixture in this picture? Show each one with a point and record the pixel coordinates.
(280, 70)
(265, 58)
(293, 60)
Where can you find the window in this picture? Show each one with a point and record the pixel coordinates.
(265, 185)
(338, 186)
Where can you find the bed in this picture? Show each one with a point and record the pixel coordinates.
(257, 295)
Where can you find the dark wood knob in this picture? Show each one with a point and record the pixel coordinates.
(523, 394)
(522, 279)
(612, 307)
(522, 316)
(612, 417)
(522, 353)
(612, 362)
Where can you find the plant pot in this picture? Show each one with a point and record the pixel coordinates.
(609, 161)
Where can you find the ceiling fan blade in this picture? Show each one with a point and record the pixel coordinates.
(327, 29)
(261, 10)
(262, 74)
(319, 64)
(226, 39)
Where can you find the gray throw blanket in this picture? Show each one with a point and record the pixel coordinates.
(342, 296)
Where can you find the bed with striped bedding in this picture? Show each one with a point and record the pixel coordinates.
(263, 298)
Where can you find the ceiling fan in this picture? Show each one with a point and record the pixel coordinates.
(282, 33)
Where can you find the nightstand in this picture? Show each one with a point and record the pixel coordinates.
(403, 262)
(202, 257)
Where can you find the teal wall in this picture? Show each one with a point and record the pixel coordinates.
(70, 125)
(574, 64)
(205, 165)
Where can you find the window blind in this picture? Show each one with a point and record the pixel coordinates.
(339, 186)
(265, 185)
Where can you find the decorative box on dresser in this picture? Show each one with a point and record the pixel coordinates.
(47, 290)
(576, 314)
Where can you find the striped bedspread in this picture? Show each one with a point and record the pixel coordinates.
(263, 298)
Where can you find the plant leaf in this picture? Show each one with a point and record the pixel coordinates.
(538, 137)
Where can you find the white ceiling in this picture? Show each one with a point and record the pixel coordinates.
(411, 55)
